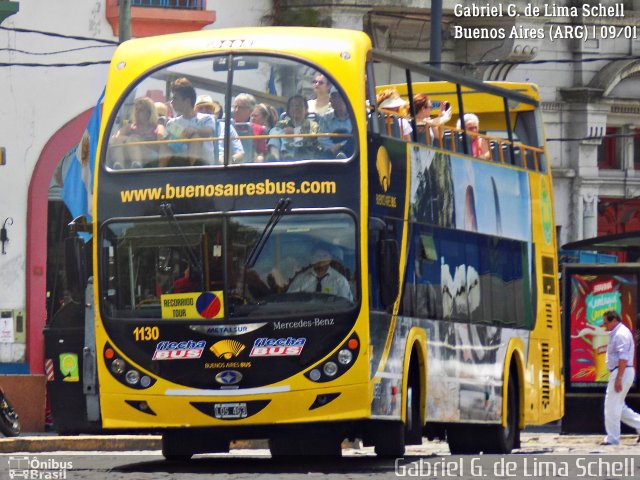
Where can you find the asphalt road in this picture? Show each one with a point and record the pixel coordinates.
(543, 455)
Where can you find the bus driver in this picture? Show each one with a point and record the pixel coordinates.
(320, 277)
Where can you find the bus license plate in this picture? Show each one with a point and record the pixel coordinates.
(230, 410)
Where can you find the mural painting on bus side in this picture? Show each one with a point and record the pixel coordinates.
(472, 206)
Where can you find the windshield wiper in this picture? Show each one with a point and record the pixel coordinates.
(167, 211)
(281, 208)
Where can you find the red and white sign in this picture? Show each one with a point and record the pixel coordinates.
(275, 351)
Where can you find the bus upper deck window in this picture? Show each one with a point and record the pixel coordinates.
(268, 110)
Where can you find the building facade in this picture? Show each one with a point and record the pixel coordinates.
(53, 68)
(585, 60)
(583, 55)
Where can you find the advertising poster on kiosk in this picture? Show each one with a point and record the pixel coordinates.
(591, 295)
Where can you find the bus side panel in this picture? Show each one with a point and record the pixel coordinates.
(546, 360)
(469, 272)
(388, 185)
(465, 371)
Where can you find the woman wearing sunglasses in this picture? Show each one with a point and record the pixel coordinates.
(321, 104)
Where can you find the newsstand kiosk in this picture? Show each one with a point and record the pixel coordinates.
(588, 292)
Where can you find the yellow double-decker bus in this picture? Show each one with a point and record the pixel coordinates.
(325, 274)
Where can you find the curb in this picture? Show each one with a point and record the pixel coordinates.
(105, 443)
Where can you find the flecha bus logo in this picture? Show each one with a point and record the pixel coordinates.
(188, 349)
(277, 347)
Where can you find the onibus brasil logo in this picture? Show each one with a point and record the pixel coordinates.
(35, 468)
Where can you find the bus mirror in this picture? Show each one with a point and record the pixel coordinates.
(389, 260)
(76, 265)
(78, 225)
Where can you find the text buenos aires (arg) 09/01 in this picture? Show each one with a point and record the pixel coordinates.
(555, 30)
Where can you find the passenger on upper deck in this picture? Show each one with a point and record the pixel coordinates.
(205, 104)
(243, 105)
(390, 100)
(200, 121)
(294, 123)
(188, 124)
(145, 127)
(337, 120)
(321, 105)
(479, 145)
(265, 115)
(163, 113)
(432, 127)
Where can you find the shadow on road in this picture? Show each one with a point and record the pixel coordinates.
(233, 465)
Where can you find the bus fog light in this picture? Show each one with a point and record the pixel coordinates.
(117, 366)
(132, 377)
(345, 356)
(315, 374)
(330, 369)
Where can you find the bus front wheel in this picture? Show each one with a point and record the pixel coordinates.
(317, 444)
(174, 452)
(389, 441)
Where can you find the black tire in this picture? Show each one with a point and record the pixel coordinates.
(295, 447)
(464, 439)
(9, 421)
(504, 439)
(389, 442)
(413, 425)
(175, 449)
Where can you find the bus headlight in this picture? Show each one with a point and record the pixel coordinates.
(132, 377)
(330, 369)
(117, 366)
(338, 363)
(345, 356)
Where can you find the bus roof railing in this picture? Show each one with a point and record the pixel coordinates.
(432, 72)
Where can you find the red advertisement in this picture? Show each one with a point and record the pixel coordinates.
(591, 296)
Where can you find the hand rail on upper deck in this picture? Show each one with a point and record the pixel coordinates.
(432, 72)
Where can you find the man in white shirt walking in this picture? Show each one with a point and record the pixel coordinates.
(620, 358)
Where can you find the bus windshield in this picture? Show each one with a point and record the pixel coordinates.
(306, 264)
(176, 115)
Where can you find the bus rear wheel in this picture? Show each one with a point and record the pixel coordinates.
(413, 424)
(491, 439)
(464, 439)
(504, 439)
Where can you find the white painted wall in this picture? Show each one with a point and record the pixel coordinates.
(34, 103)
(239, 13)
(37, 101)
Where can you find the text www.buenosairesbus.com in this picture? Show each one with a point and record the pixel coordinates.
(266, 187)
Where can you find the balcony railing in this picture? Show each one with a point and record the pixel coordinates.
(157, 17)
(188, 4)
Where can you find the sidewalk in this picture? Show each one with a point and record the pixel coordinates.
(537, 441)
(51, 442)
